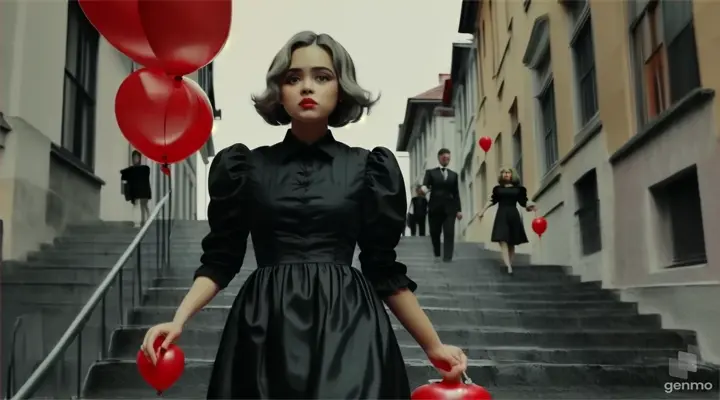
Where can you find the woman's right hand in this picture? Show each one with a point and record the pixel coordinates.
(170, 330)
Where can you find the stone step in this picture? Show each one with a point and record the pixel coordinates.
(529, 319)
(82, 274)
(585, 392)
(493, 336)
(126, 342)
(448, 284)
(127, 383)
(173, 297)
(462, 296)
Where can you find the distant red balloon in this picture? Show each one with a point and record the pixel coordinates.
(170, 366)
(185, 35)
(166, 119)
(118, 21)
(485, 143)
(446, 390)
(539, 225)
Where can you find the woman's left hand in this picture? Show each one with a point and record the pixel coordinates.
(531, 208)
(450, 361)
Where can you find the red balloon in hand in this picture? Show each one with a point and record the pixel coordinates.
(447, 390)
(539, 225)
(166, 119)
(485, 143)
(170, 366)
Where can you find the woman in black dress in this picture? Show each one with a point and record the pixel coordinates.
(306, 324)
(508, 229)
(136, 181)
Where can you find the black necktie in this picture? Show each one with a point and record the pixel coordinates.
(444, 174)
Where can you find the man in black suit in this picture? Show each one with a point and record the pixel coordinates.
(444, 206)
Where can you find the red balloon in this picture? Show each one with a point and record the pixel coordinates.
(170, 366)
(166, 119)
(539, 225)
(485, 143)
(118, 22)
(446, 390)
(185, 35)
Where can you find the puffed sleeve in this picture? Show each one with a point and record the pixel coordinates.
(224, 247)
(383, 219)
(494, 196)
(522, 198)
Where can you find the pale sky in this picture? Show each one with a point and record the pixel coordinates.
(399, 47)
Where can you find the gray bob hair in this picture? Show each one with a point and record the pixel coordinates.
(353, 102)
(514, 177)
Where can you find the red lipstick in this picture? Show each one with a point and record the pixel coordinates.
(307, 103)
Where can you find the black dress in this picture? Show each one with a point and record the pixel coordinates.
(306, 324)
(138, 182)
(508, 226)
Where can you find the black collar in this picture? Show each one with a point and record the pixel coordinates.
(290, 146)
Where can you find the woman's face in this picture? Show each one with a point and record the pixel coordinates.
(507, 176)
(310, 86)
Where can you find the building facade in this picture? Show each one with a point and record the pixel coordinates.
(427, 127)
(613, 128)
(60, 147)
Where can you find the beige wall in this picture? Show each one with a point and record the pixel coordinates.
(628, 261)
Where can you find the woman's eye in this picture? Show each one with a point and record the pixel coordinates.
(292, 79)
(323, 78)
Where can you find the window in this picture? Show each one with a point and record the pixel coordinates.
(546, 100)
(483, 184)
(584, 59)
(516, 139)
(680, 218)
(665, 56)
(78, 127)
(499, 149)
(588, 213)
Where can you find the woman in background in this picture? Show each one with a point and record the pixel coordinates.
(508, 230)
(136, 181)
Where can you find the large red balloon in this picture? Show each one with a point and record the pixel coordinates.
(447, 390)
(118, 22)
(166, 119)
(170, 366)
(485, 143)
(539, 226)
(185, 35)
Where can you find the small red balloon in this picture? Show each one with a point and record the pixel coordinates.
(166, 119)
(539, 225)
(185, 35)
(446, 390)
(170, 366)
(118, 21)
(485, 143)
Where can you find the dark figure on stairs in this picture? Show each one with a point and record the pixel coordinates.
(417, 215)
(136, 185)
(508, 229)
(444, 206)
(306, 324)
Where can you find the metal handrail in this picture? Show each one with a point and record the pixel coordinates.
(10, 378)
(75, 329)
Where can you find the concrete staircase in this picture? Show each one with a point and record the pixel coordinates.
(48, 290)
(537, 335)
